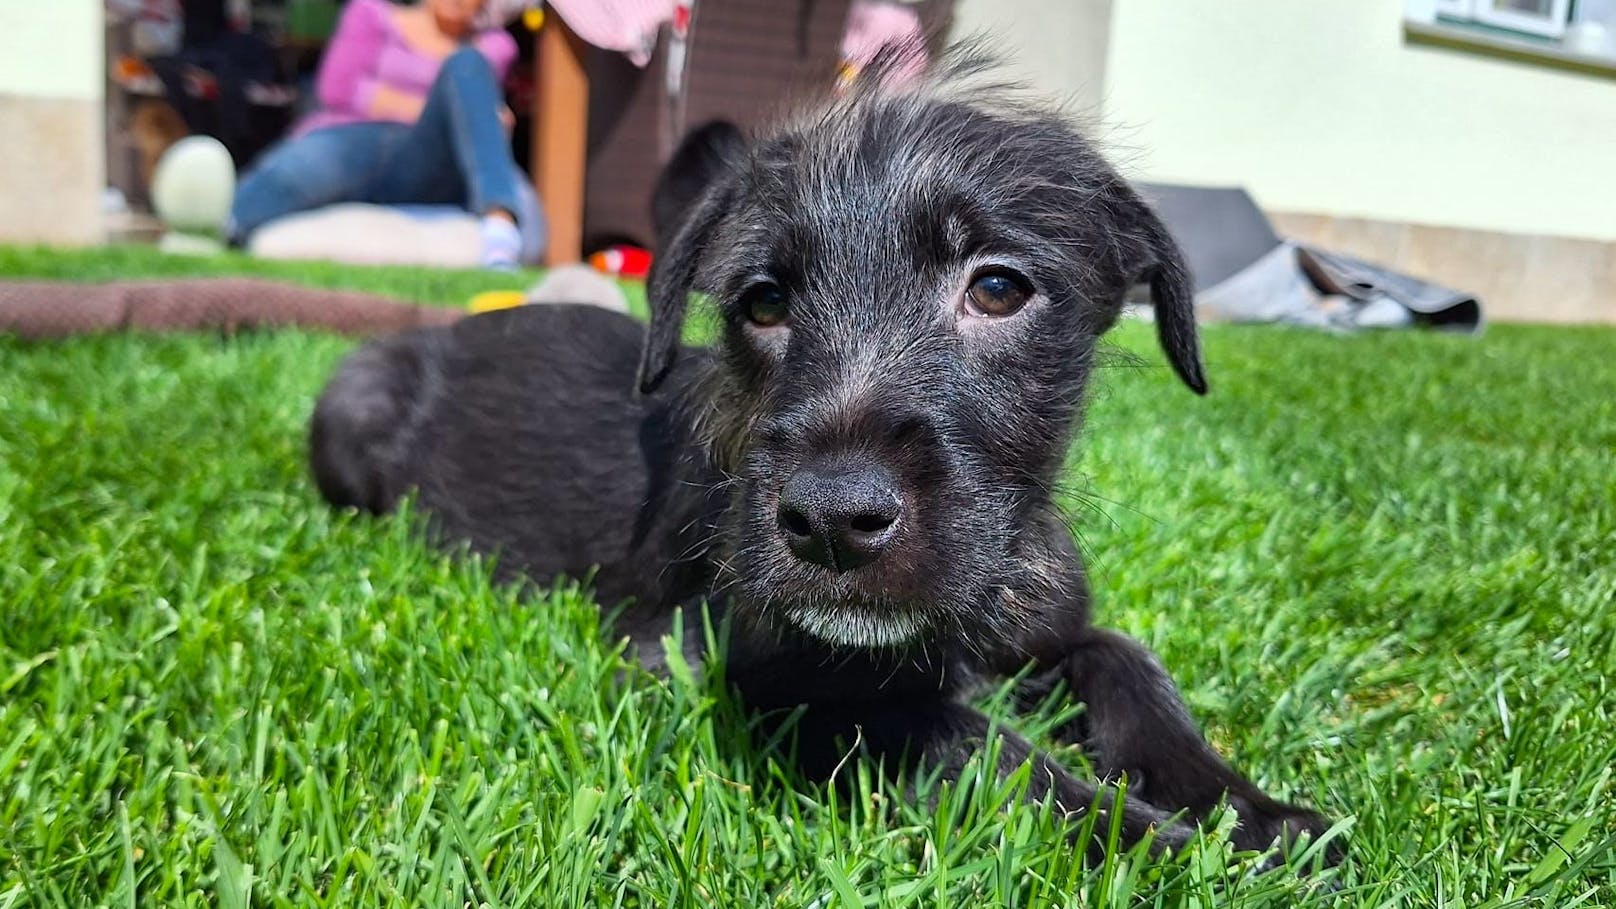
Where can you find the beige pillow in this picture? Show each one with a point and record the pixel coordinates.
(362, 234)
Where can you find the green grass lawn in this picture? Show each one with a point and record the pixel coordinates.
(1382, 568)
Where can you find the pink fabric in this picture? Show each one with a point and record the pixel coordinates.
(874, 24)
(368, 51)
(626, 26)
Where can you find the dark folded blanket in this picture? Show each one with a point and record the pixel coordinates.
(1244, 271)
(1429, 304)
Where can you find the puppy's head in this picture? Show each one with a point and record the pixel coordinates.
(911, 284)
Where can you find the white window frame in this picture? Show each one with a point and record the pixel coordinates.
(1455, 9)
(1551, 26)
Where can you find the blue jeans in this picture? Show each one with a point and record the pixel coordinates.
(455, 154)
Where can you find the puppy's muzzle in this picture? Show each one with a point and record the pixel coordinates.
(840, 514)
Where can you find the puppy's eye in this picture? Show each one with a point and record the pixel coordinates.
(998, 292)
(765, 305)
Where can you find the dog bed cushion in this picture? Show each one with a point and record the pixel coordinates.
(363, 234)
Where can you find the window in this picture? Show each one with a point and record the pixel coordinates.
(1548, 18)
(1574, 35)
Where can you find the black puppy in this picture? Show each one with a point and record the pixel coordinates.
(911, 283)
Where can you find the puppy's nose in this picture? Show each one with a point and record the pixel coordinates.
(840, 514)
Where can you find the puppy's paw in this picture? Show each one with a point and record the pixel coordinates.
(1266, 824)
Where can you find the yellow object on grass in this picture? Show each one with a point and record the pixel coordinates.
(490, 300)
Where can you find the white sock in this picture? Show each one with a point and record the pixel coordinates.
(502, 243)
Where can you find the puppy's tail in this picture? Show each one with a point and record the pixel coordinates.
(702, 155)
(363, 426)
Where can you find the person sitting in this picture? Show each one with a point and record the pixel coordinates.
(410, 113)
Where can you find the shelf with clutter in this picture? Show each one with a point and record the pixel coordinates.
(231, 69)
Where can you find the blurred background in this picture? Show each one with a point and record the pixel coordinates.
(1466, 143)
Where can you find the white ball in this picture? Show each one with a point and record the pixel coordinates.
(193, 185)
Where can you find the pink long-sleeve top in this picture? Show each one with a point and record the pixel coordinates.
(368, 51)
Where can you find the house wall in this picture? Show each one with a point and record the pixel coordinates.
(1058, 47)
(52, 166)
(1320, 107)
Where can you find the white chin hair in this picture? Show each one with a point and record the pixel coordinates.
(858, 629)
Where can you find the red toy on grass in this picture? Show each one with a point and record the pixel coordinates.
(622, 261)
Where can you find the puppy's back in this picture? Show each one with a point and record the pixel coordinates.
(523, 434)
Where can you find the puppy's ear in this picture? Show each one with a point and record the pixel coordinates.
(1160, 264)
(673, 273)
(705, 153)
(1172, 293)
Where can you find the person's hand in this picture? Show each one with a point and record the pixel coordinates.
(507, 118)
(390, 104)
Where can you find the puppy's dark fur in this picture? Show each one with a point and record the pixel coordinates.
(843, 253)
